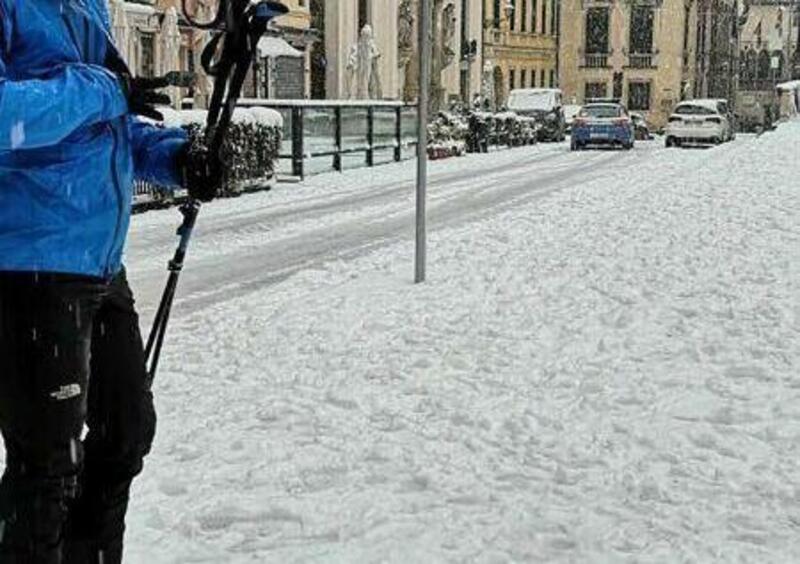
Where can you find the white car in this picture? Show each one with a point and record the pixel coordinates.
(699, 121)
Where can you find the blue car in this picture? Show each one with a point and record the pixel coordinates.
(602, 124)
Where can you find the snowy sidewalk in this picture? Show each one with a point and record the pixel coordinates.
(608, 374)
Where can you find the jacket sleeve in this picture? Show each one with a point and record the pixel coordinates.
(44, 111)
(155, 152)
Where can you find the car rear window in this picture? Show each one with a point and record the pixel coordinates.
(692, 110)
(601, 111)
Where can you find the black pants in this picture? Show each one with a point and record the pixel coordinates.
(70, 356)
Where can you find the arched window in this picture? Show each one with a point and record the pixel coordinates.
(763, 65)
(751, 67)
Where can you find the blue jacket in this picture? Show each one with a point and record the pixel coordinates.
(69, 151)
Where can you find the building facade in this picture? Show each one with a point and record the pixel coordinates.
(370, 49)
(768, 56)
(717, 50)
(642, 52)
(155, 37)
(769, 52)
(521, 44)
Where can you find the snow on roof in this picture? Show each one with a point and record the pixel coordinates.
(274, 47)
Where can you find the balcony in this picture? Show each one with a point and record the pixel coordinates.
(642, 61)
(595, 60)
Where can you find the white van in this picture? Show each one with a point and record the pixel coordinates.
(545, 106)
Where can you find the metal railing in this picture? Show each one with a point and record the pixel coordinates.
(642, 60)
(595, 60)
(321, 135)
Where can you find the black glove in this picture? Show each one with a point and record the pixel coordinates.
(143, 95)
(202, 171)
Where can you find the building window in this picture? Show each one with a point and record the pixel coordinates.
(639, 96)
(512, 79)
(533, 78)
(554, 19)
(534, 9)
(552, 78)
(597, 30)
(595, 90)
(524, 23)
(147, 63)
(496, 14)
(544, 17)
(641, 36)
(523, 75)
(542, 76)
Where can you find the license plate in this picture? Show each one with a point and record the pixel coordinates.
(596, 135)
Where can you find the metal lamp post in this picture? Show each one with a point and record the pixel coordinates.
(424, 48)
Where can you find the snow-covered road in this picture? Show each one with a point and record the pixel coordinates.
(261, 239)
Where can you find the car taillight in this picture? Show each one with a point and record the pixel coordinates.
(675, 119)
(714, 120)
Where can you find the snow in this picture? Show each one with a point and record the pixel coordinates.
(788, 86)
(292, 103)
(533, 99)
(269, 46)
(602, 366)
(175, 118)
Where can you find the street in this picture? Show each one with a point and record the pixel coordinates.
(261, 239)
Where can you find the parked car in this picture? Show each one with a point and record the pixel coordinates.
(703, 121)
(602, 124)
(641, 131)
(545, 106)
(570, 111)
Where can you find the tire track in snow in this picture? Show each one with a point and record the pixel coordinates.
(212, 279)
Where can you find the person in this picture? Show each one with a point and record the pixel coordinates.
(71, 355)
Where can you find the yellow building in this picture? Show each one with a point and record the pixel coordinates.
(649, 54)
(642, 53)
(520, 44)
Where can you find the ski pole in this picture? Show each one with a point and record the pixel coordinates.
(155, 341)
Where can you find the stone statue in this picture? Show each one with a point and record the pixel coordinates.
(363, 70)
(405, 49)
(405, 30)
(351, 72)
(448, 34)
